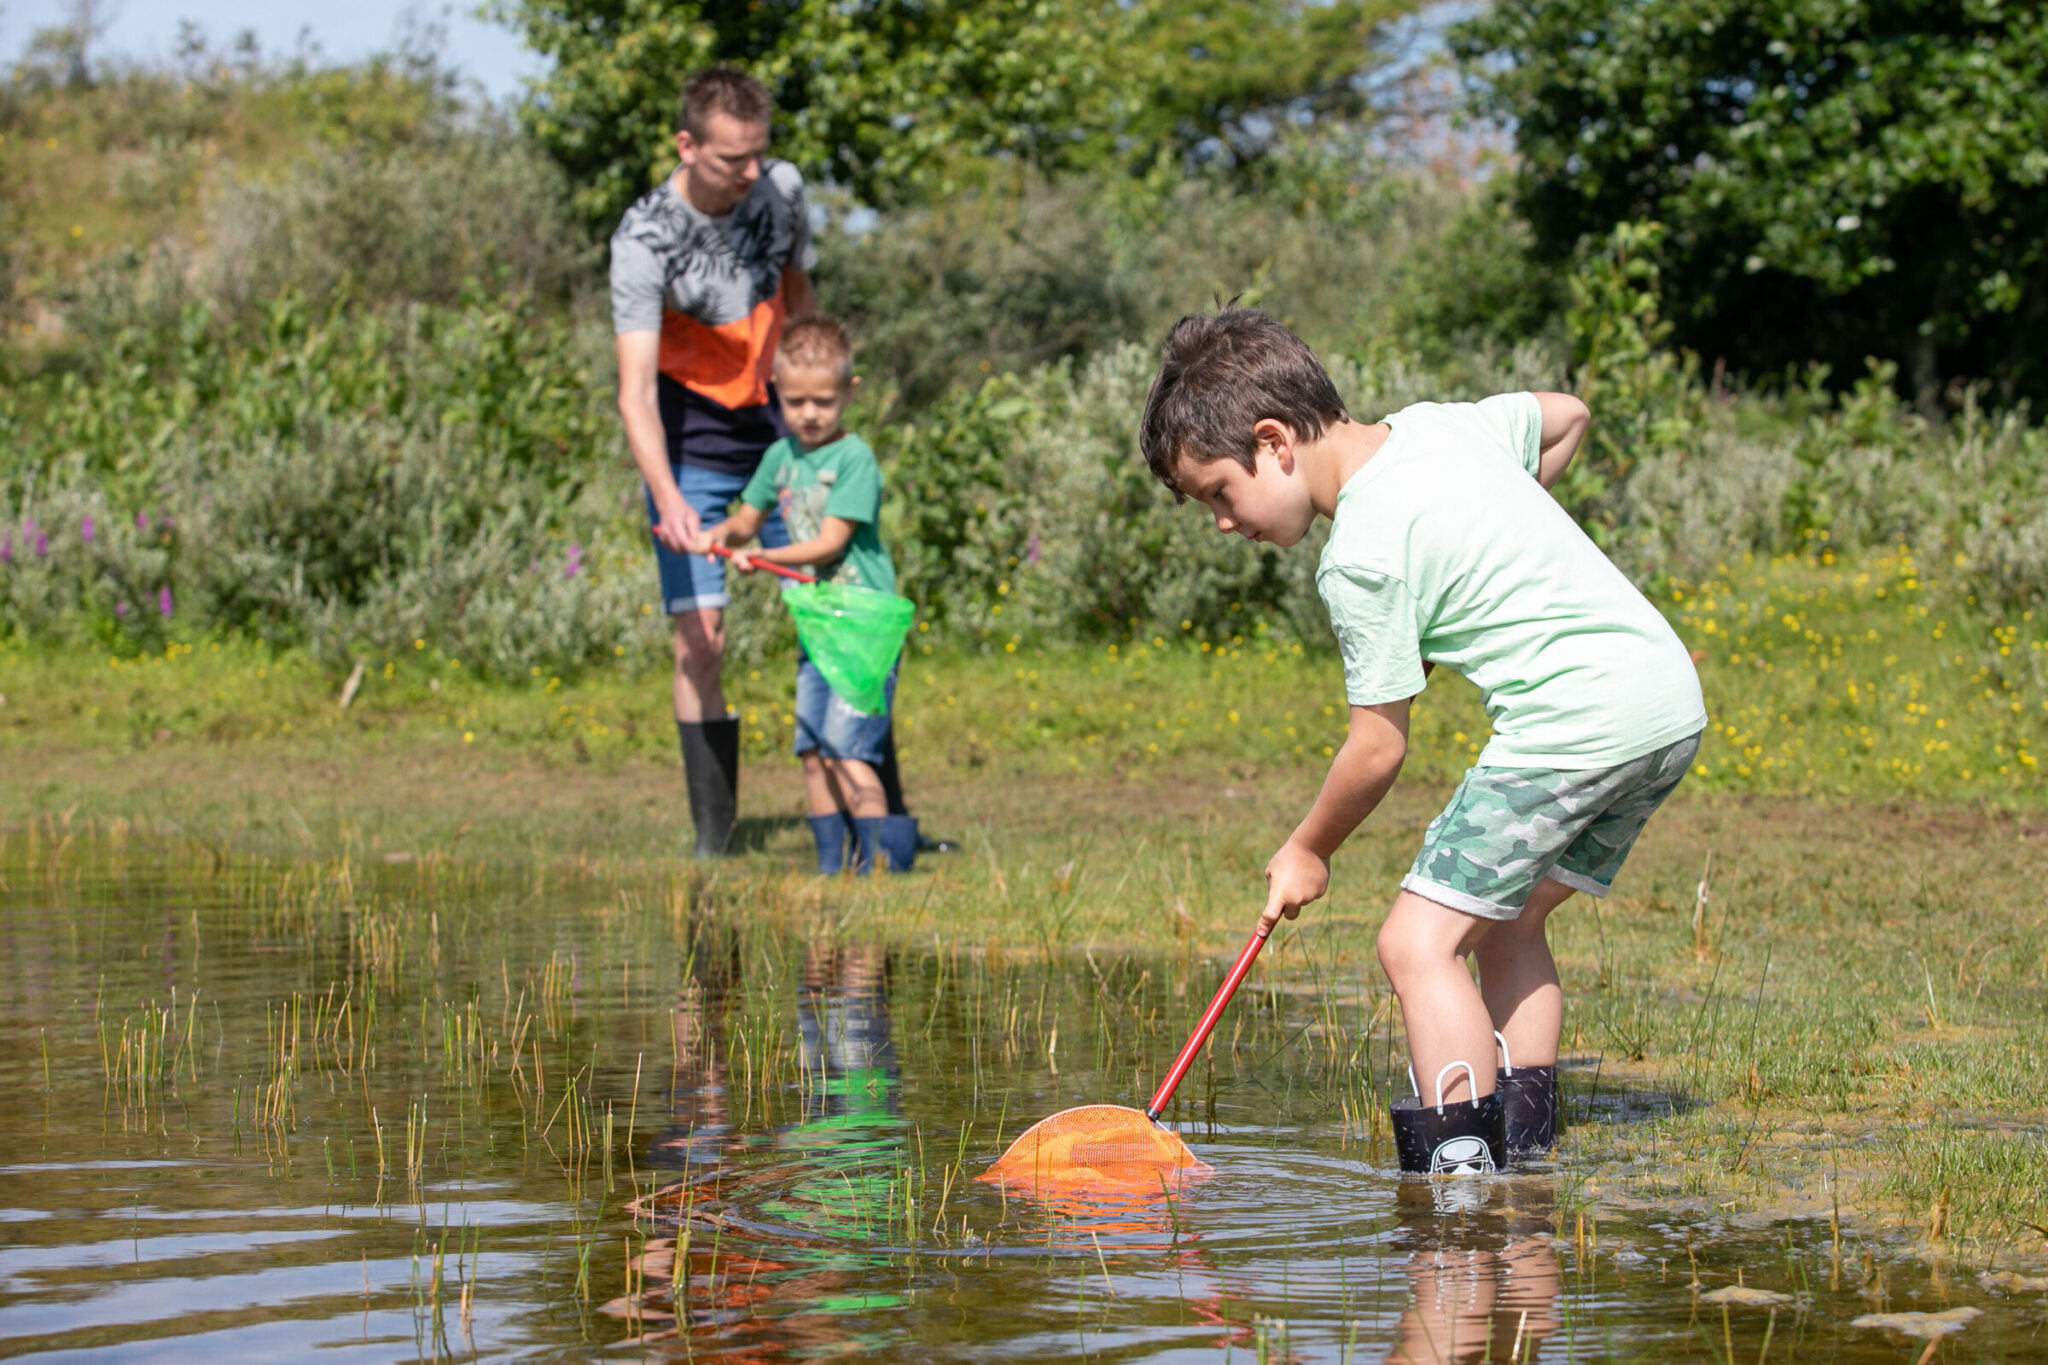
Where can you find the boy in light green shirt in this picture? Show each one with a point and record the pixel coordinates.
(1446, 548)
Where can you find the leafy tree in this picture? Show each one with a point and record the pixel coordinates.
(1839, 178)
(898, 99)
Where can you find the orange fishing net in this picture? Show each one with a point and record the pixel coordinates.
(1109, 1147)
(1095, 1146)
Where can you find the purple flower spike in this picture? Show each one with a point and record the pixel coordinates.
(6, 549)
(142, 521)
(42, 544)
(85, 529)
(575, 565)
(163, 602)
(120, 608)
(1032, 554)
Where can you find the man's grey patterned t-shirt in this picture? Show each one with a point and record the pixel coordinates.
(713, 288)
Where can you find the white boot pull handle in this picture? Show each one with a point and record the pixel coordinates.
(1471, 1079)
(1507, 1063)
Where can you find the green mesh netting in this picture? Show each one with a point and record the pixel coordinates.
(853, 635)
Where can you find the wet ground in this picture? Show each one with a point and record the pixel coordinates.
(268, 1111)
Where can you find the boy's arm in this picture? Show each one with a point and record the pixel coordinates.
(823, 548)
(1361, 773)
(737, 529)
(1565, 420)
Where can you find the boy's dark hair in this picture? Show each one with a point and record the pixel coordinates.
(728, 90)
(817, 341)
(1222, 373)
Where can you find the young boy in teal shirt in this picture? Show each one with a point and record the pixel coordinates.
(1446, 548)
(828, 487)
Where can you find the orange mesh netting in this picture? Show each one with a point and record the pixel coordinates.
(1095, 1146)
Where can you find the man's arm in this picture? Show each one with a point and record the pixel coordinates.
(639, 356)
(799, 295)
(1565, 420)
(1361, 773)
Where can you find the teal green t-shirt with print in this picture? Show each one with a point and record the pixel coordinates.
(839, 479)
(1445, 547)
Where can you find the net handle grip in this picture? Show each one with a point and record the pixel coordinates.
(778, 570)
(1186, 1058)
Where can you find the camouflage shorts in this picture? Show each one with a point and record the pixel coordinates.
(1508, 828)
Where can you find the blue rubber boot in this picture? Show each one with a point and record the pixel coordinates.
(899, 841)
(867, 836)
(830, 831)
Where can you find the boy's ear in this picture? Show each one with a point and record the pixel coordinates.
(1270, 436)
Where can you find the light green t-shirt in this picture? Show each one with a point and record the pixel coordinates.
(1444, 547)
(839, 479)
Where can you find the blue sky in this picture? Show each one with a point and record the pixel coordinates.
(148, 29)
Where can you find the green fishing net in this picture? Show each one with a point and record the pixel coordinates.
(853, 635)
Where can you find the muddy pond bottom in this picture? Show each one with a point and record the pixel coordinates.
(346, 1111)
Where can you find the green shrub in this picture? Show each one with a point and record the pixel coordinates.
(358, 480)
(1021, 511)
(1010, 276)
(475, 212)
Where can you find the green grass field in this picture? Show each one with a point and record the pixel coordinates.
(1818, 989)
(1823, 679)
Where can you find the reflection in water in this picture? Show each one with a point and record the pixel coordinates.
(701, 1119)
(816, 1212)
(342, 1108)
(1485, 1279)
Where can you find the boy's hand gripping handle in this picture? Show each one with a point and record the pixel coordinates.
(1201, 1033)
(778, 570)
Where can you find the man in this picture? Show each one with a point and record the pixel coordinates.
(706, 269)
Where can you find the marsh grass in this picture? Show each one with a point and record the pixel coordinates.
(1845, 1034)
(398, 958)
(1851, 677)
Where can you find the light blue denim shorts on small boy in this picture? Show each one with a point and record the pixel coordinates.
(1506, 829)
(825, 722)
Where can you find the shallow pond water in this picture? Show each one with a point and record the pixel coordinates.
(366, 1111)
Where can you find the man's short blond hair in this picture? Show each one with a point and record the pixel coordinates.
(721, 89)
(817, 343)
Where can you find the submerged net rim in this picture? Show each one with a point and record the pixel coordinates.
(1096, 1145)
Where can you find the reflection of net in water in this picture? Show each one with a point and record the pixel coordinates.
(1096, 1147)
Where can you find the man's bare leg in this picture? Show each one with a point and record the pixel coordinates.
(699, 663)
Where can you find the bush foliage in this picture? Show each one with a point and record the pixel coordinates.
(900, 101)
(1841, 179)
(359, 400)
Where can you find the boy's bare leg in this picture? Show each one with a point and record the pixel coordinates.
(1423, 947)
(700, 658)
(858, 788)
(1518, 979)
(819, 795)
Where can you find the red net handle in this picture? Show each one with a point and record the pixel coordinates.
(780, 571)
(1201, 1033)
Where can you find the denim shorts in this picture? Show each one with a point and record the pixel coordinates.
(697, 582)
(826, 723)
(1508, 828)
